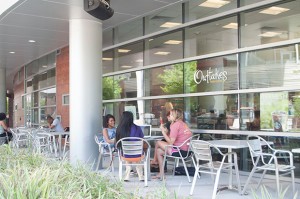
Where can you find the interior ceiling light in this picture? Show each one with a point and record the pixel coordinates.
(170, 25)
(139, 61)
(125, 66)
(44, 66)
(231, 26)
(162, 53)
(123, 50)
(173, 42)
(12, 52)
(270, 34)
(214, 3)
(31, 41)
(274, 10)
(107, 59)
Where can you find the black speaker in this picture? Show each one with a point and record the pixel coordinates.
(98, 8)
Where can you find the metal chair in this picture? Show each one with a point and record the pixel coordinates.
(66, 143)
(134, 146)
(180, 156)
(104, 151)
(204, 163)
(268, 161)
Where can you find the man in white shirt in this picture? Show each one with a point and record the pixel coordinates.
(54, 124)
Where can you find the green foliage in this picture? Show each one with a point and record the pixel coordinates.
(111, 88)
(174, 79)
(31, 176)
(296, 105)
(266, 195)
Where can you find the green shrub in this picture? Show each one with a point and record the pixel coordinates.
(24, 175)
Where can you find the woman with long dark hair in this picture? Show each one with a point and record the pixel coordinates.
(109, 130)
(4, 130)
(127, 128)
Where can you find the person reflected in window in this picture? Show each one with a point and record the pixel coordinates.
(255, 124)
(4, 130)
(127, 128)
(109, 130)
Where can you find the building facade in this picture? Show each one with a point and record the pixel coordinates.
(233, 67)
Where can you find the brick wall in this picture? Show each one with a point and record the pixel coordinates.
(18, 116)
(62, 84)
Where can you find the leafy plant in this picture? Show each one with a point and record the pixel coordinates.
(266, 195)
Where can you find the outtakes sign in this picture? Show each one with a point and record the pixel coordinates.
(210, 76)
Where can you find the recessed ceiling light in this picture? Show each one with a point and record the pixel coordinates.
(124, 66)
(274, 10)
(123, 50)
(162, 53)
(139, 61)
(173, 42)
(12, 52)
(214, 3)
(231, 26)
(170, 25)
(31, 41)
(270, 34)
(107, 59)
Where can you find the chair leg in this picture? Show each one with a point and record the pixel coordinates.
(146, 173)
(261, 178)
(120, 170)
(194, 180)
(293, 181)
(237, 177)
(99, 159)
(248, 180)
(277, 182)
(216, 184)
(186, 171)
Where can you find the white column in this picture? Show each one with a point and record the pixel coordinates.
(85, 89)
(2, 90)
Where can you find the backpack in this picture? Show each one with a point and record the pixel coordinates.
(180, 171)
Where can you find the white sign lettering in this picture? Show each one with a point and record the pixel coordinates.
(210, 76)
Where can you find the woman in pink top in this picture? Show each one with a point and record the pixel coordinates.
(180, 132)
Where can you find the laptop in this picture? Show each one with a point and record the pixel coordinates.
(146, 130)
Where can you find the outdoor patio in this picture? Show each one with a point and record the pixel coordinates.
(179, 187)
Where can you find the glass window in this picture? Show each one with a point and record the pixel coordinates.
(247, 2)
(32, 68)
(275, 67)
(43, 80)
(129, 30)
(29, 88)
(51, 60)
(166, 80)
(270, 24)
(48, 97)
(164, 48)
(129, 56)
(51, 77)
(164, 19)
(271, 111)
(212, 37)
(213, 74)
(66, 99)
(107, 62)
(157, 109)
(46, 111)
(212, 112)
(35, 96)
(43, 63)
(120, 86)
(107, 38)
(203, 8)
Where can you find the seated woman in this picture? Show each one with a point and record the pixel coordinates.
(179, 133)
(4, 130)
(109, 130)
(127, 128)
